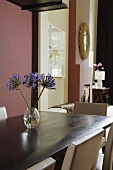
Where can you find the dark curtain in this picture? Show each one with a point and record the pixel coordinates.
(104, 52)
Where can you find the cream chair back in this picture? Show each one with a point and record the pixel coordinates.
(82, 154)
(108, 156)
(3, 113)
(91, 108)
(47, 164)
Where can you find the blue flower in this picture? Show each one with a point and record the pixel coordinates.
(51, 82)
(33, 81)
(42, 77)
(47, 81)
(15, 82)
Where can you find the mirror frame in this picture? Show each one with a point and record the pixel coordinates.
(83, 28)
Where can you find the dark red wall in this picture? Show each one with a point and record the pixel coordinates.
(15, 53)
(73, 68)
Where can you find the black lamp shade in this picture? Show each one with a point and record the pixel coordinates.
(39, 5)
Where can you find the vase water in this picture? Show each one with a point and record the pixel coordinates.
(31, 118)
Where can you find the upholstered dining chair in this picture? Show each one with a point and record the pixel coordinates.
(105, 160)
(46, 164)
(3, 113)
(92, 109)
(83, 153)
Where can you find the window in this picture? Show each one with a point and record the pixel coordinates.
(57, 47)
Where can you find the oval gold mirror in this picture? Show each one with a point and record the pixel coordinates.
(84, 40)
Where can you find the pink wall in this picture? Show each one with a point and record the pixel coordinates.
(15, 53)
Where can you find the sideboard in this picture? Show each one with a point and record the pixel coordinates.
(101, 95)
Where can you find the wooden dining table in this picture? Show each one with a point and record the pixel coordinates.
(21, 148)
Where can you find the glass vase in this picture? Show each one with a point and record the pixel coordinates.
(31, 118)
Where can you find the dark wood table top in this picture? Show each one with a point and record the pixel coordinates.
(21, 148)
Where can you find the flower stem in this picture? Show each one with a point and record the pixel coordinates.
(24, 97)
(39, 97)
